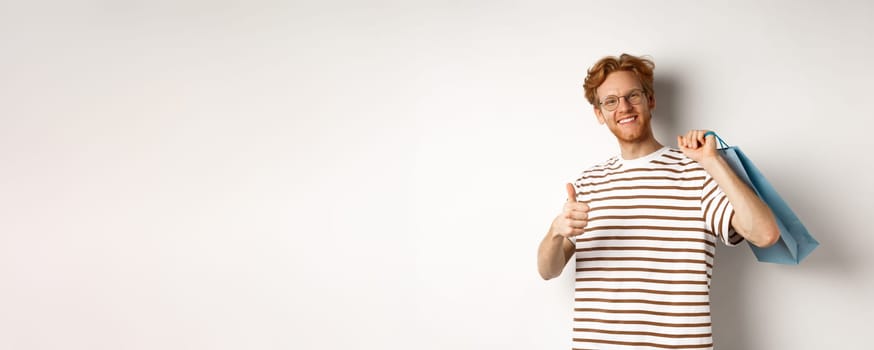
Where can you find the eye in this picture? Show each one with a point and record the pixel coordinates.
(611, 100)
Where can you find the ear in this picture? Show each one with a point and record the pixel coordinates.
(652, 103)
(599, 115)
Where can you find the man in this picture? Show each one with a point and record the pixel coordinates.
(644, 224)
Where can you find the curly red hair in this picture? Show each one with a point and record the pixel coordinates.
(641, 67)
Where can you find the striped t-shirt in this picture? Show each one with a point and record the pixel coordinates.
(644, 263)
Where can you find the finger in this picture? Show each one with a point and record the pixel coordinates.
(576, 232)
(696, 139)
(710, 140)
(569, 207)
(578, 206)
(691, 140)
(578, 215)
(571, 192)
(680, 142)
(699, 135)
(577, 223)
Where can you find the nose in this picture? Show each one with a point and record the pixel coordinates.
(624, 105)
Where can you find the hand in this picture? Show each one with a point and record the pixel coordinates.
(697, 147)
(573, 219)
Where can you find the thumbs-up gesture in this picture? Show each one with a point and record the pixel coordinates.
(573, 218)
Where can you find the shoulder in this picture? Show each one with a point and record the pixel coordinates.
(675, 159)
(673, 156)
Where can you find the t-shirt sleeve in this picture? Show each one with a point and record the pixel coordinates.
(718, 213)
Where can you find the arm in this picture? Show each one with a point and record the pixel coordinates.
(556, 248)
(554, 252)
(752, 219)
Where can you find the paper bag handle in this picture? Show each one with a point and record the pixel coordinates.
(722, 144)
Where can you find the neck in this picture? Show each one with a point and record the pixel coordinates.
(634, 150)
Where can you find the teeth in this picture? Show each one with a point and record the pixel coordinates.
(626, 120)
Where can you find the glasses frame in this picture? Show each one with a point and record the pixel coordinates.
(619, 99)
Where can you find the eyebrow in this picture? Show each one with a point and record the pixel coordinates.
(629, 91)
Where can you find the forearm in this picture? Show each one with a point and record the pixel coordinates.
(552, 255)
(752, 218)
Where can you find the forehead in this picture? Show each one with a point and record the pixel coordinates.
(618, 83)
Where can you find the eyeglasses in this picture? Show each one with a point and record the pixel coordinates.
(611, 102)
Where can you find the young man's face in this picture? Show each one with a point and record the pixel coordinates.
(629, 122)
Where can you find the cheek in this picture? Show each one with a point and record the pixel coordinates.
(599, 115)
(644, 108)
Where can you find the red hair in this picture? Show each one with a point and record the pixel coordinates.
(641, 67)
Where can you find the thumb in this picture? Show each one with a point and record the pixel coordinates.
(710, 141)
(571, 192)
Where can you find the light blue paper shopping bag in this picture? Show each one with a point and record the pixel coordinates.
(795, 241)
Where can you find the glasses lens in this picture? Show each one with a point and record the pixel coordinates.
(635, 97)
(610, 103)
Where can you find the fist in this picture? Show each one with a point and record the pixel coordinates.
(572, 220)
(697, 147)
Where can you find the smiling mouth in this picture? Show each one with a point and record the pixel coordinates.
(627, 120)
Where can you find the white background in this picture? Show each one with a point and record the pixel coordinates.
(378, 175)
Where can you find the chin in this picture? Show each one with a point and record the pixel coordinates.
(637, 136)
(630, 138)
